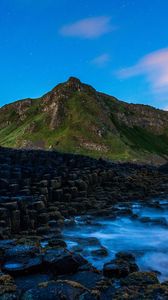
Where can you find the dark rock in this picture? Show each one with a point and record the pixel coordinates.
(121, 266)
(7, 288)
(140, 278)
(62, 262)
(82, 185)
(4, 184)
(112, 270)
(26, 282)
(145, 292)
(100, 252)
(42, 218)
(23, 265)
(6, 245)
(42, 230)
(88, 279)
(21, 251)
(145, 219)
(60, 290)
(159, 221)
(125, 256)
(90, 241)
(54, 242)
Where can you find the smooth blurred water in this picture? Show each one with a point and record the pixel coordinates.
(147, 241)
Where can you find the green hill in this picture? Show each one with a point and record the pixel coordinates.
(74, 117)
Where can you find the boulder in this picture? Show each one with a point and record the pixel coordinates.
(54, 242)
(23, 265)
(88, 278)
(112, 270)
(6, 245)
(100, 252)
(21, 251)
(60, 290)
(121, 266)
(61, 262)
(81, 185)
(140, 278)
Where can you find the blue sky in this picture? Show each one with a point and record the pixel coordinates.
(120, 47)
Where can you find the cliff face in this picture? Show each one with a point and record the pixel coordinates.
(74, 117)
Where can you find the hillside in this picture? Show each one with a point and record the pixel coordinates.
(74, 117)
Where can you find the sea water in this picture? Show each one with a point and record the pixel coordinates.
(147, 241)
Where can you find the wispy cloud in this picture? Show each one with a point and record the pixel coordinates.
(88, 28)
(155, 67)
(101, 60)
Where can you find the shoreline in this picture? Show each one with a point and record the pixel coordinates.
(39, 191)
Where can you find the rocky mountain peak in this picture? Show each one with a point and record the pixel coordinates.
(68, 87)
(74, 84)
(73, 80)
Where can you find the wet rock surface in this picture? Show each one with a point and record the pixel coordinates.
(121, 266)
(41, 194)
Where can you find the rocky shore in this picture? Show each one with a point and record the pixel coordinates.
(40, 193)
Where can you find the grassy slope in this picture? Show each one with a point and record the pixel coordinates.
(140, 139)
(84, 114)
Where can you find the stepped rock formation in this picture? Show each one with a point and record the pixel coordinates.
(38, 189)
(74, 117)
